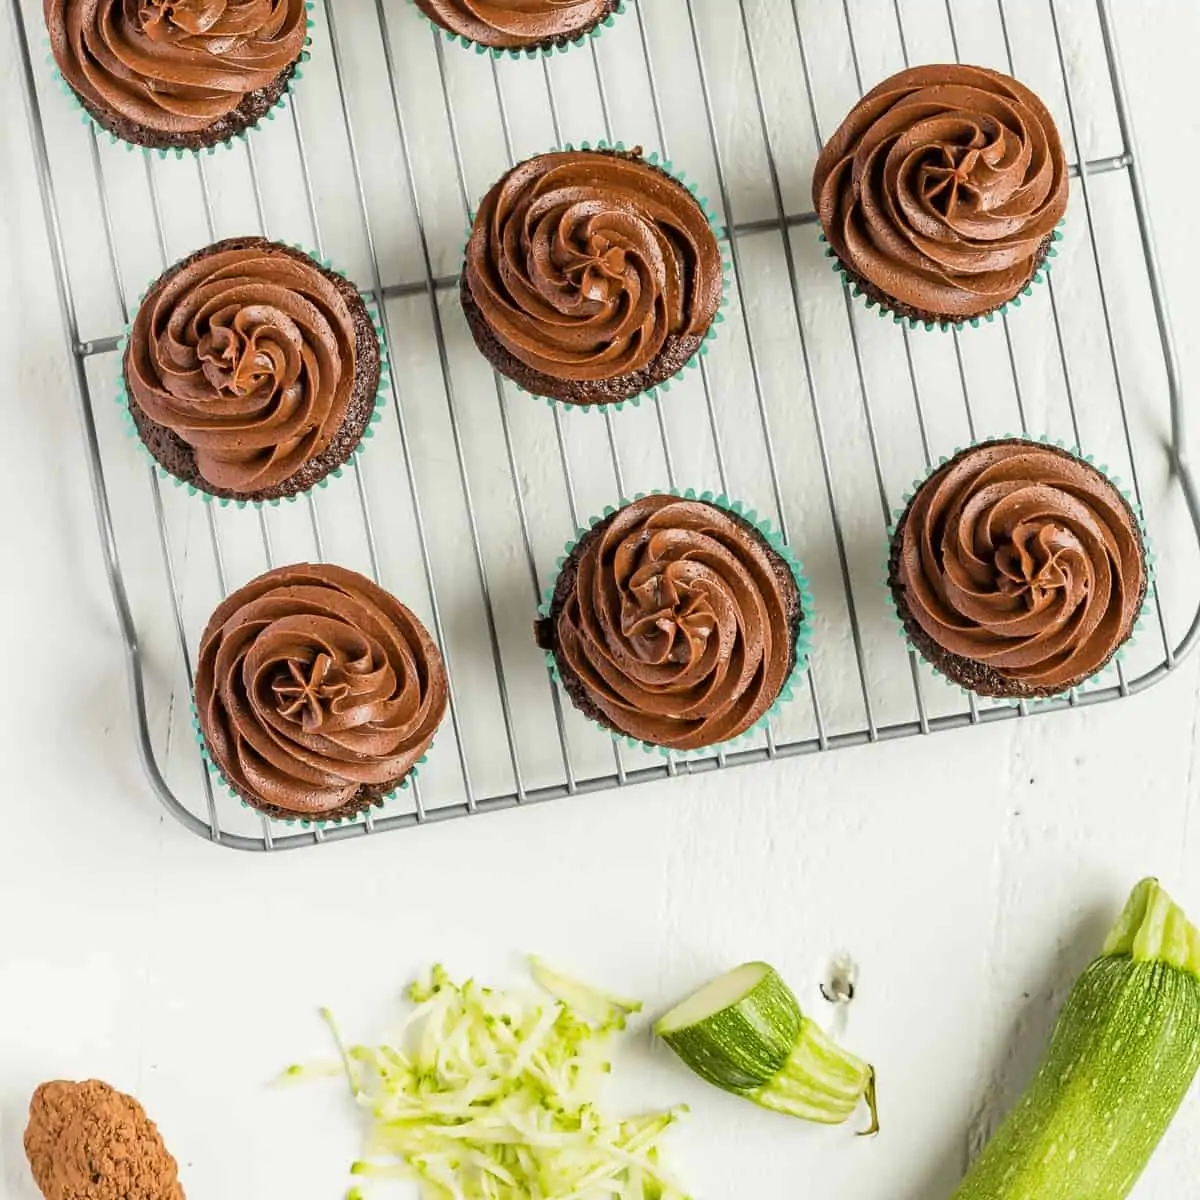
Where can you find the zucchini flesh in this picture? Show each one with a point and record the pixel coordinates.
(1122, 1057)
(745, 1033)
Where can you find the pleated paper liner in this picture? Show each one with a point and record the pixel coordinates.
(304, 822)
(381, 400)
(1040, 275)
(180, 151)
(1148, 556)
(804, 635)
(523, 52)
(653, 159)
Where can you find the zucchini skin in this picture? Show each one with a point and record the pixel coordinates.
(1122, 1057)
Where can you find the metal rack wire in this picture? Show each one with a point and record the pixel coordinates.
(468, 472)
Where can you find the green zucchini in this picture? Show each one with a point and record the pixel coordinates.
(1122, 1057)
(745, 1033)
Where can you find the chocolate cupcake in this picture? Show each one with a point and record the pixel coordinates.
(591, 276)
(1018, 569)
(317, 692)
(177, 74)
(941, 193)
(251, 371)
(678, 622)
(533, 25)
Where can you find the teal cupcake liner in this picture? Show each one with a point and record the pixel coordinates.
(1148, 555)
(382, 395)
(804, 636)
(86, 117)
(219, 779)
(1039, 276)
(532, 52)
(653, 159)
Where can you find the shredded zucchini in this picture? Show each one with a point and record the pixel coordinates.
(494, 1095)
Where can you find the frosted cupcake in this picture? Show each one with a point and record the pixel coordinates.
(251, 372)
(677, 622)
(317, 692)
(941, 192)
(591, 276)
(1018, 569)
(177, 74)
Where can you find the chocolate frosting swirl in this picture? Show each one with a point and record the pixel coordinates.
(583, 264)
(678, 621)
(175, 66)
(248, 355)
(1025, 559)
(508, 24)
(942, 187)
(317, 691)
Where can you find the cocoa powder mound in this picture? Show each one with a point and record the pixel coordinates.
(87, 1141)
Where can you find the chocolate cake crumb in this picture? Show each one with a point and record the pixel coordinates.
(87, 1141)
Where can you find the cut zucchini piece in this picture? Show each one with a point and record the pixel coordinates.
(744, 1033)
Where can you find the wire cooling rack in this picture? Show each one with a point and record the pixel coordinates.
(809, 408)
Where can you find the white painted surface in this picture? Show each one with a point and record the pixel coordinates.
(971, 876)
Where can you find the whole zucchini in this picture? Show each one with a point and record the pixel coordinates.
(1122, 1057)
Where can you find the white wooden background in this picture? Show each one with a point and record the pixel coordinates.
(970, 876)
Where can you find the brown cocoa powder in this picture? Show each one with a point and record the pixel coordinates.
(87, 1141)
